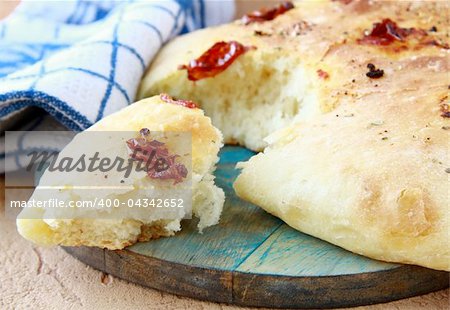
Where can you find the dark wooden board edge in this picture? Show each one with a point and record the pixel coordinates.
(337, 291)
(178, 279)
(260, 290)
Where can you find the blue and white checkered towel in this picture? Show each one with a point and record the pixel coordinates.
(81, 60)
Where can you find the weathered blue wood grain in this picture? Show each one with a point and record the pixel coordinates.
(291, 253)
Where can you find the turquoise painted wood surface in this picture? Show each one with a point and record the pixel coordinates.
(252, 258)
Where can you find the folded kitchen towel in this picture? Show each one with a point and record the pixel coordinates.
(81, 60)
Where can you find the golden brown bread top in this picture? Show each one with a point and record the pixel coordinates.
(371, 177)
(326, 38)
(158, 115)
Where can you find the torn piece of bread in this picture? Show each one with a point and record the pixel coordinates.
(75, 227)
(361, 89)
(264, 89)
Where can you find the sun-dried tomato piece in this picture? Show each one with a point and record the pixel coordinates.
(323, 74)
(266, 14)
(167, 168)
(215, 60)
(185, 103)
(155, 157)
(386, 32)
(140, 149)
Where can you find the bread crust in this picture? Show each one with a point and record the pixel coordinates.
(127, 226)
(368, 169)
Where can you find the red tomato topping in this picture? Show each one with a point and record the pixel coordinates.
(215, 60)
(185, 103)
(267, 14)
(386, 32)
(154, 157)
(323, 74)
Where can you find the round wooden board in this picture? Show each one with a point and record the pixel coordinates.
(253, 259)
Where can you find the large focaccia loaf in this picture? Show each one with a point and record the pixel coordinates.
(363, 158)
(117, 228)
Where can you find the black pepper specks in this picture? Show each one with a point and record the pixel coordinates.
(374, 73)
(433, 29)
(260, 33)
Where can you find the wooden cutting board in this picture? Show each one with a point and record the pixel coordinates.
(252, 258)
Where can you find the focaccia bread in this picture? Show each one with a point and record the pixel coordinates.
(291, 70)
(360, 90)
(124, 226)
